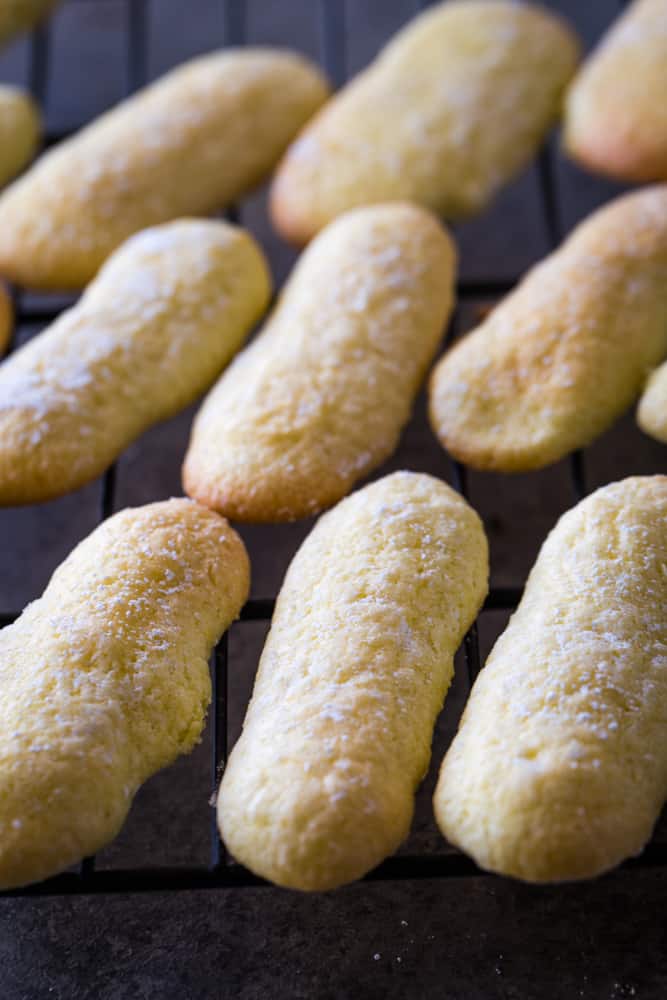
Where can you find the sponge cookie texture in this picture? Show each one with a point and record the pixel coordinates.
(320, 786)
(321, 396)
(616, 109)
(189, 144)
(455, 105)
(105, 679)
(568, 351)
(20, 129)
(559, 768)
(151, 333)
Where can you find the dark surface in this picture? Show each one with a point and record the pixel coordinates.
(477, 937)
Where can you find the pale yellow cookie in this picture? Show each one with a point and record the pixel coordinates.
(559, 767)
(192, 142)
(616, 109)
(652, 410)
(20, 130)
(559, 359)
(319, 399)
(104, 680)
(6, 317)
(448, 113)
(320, 786)
(17, 16)
(151, 333)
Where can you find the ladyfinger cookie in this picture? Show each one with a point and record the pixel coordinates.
(447, 114)
(320, 786)
(559, 767)
(104, 679)
(561, 357)
(194, 141)
(151, 333)
(319, 399)
(652, 410)
(20, 130)
(616, 108)
(17, 16)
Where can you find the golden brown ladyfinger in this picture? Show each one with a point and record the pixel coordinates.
(320, 786)
(192, 142)
(448, 113)
(104, 680)
(559, 767)
(616, 108)
(559, 359)
(320, 397)
(153, 330)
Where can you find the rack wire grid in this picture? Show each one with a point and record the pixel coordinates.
(221, 870)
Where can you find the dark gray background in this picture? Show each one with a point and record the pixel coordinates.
(480, 937)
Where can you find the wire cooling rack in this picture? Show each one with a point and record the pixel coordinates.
(221, 870)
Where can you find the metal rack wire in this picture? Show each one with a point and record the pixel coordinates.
(222, 871)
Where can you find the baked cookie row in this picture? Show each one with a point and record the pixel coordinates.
(559, 768)
(447, 114)
(432, 123)
(320, 397)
